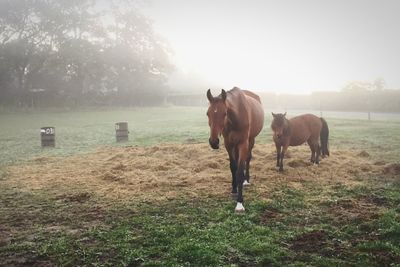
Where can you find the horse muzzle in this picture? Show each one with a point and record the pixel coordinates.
(278, 135)
(214, 143)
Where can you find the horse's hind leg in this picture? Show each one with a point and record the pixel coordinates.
(312, 148)
(247, 171)
(315, 151)
(243, 150)
(318, 153)
(249, 157)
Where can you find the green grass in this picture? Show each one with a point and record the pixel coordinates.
(381, 139)
(84, 131)
(290, 230)
(317, 225)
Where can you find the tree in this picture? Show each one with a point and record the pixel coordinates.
(379, 84)
(357, 87)
(75, 52)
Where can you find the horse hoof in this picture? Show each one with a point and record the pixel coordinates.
(245, 183)
(239, 208)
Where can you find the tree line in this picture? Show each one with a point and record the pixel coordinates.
(80, 52)
(93, 52)
(355, 96)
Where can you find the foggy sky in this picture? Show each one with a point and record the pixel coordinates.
(295, 46)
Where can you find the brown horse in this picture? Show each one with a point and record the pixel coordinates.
(298, 130)
(237, 115)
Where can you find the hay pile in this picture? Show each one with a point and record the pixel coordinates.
(174, 170)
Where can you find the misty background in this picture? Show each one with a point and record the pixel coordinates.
(331, 55)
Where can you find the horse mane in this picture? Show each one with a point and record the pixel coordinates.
(287, 130)
(286, 124)
(236, 103)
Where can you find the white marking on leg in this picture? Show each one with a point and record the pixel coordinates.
(245, 183)
(239, 207)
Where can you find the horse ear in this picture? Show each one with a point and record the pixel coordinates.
(273, 114)
(223, 95)
(284, 114)
(209, 95)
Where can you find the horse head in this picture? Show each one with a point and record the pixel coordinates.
(217, 112)
(279, 124)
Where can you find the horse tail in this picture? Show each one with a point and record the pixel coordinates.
(324, 135)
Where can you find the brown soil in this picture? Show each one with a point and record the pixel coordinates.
(363, 154)
(317, 242)
(310, 242)
(270, 214)
(350, 210)
(393, 169)
(298, 163)
(5, 237)
(78, 197)
(172, 170)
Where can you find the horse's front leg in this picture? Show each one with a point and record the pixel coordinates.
(232, 153)
(284, 149)
(278, 155)
(233, 166)
(242, 157)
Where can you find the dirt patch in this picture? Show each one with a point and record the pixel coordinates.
(392, 169)
(350, 210)
(384, 257)
(5, 237)
(317, 242)
(77, 197)
(174, 170)
(310, 242)
(270, 214)
(363, 154)
(377, 200)
(298, 163)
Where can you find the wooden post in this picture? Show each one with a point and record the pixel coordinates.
(48, 136)
(121, 131)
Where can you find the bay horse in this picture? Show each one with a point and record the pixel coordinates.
(298, 130)
(238, 116)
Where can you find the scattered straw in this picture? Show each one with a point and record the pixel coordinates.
(172, 170)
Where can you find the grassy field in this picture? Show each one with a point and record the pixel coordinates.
(310, 224)
(84, 131)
